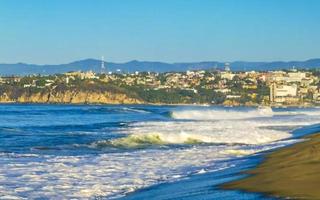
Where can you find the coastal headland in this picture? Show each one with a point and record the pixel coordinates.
(272, 88)
(290, 172)
(67, 96)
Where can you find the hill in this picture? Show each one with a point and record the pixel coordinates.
(132, 66)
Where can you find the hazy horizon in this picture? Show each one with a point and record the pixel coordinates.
(177, 62)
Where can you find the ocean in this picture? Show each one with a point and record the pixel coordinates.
(138, 151)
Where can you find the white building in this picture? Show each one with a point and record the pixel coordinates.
(227, 75)
(296, 76)
(283, 93)
(224, 90)
(290, 77)
(82, 75)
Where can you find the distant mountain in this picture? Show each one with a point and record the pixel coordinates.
(132, 66)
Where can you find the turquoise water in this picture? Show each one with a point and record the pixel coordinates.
(138, 152)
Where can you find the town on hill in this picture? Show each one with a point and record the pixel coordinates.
(24, 69)
(251, 88)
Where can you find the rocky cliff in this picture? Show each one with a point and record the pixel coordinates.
(68, 96)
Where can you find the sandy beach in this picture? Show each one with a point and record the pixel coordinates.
(290, 172)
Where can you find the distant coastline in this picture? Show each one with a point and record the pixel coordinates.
(154, 104)
(25, 69)
(215, 87)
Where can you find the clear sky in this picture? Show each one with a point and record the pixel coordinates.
(60, 31)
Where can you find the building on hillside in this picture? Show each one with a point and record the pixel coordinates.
(227, 75)
(290, 77)
(82, 75)
(10, 79)
(296, 76)
(280, 93)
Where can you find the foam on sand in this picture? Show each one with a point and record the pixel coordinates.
(108, 175)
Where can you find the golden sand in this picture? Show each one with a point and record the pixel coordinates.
(292, 171)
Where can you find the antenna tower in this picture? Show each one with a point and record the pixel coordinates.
(103, 67)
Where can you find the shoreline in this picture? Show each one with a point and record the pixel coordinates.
(203, 181)
(155, 104)
(288, 172)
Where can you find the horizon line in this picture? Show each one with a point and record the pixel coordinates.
(123, 62)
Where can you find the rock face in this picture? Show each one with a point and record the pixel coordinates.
(231, 103)
(69, 97)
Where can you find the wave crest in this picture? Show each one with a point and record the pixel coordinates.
(152, 139)
(215, 126)
(174, 133)
(219, 114)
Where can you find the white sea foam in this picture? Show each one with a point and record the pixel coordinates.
(107, 175)
(222, 114)
(216, 126)
(114, 174)
(219, 114)
(302, 111)
(216, 132)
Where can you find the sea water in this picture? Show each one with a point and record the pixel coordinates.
(93, 151)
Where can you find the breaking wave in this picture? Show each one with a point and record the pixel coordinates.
(219, 114)
(174, 133)
(223, 114)
(214, 126)
(123, 169)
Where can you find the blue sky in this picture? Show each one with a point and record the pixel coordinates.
(59, 31)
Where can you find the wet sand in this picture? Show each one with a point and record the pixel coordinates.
(292, 172)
